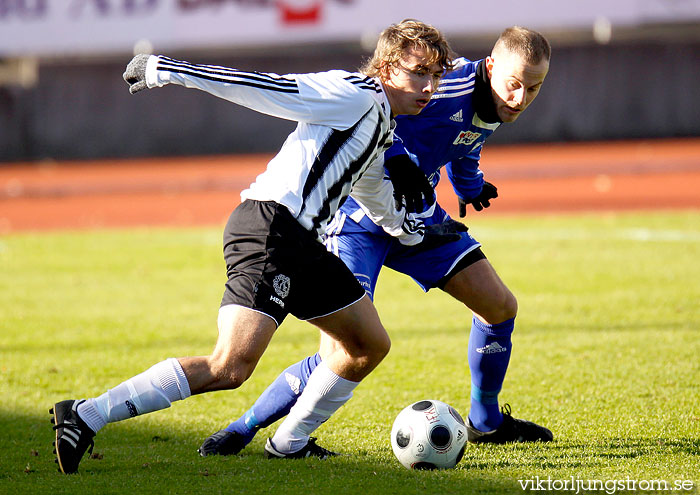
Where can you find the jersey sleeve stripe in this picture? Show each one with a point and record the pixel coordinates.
(238, 82)
(254, 79)
(366, 83)
(371, 88)
(452, 95)
(216, 69)
(455, 80)
(356, 78)
(454, 89)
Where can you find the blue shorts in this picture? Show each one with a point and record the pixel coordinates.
(364, 248)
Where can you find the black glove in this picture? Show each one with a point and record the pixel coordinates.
(410, 183)
(442, 233)
(488, 192)
(135, 73)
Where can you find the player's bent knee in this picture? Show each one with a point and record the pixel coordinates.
(370, 351)
(379, 350)
(366, 362)
(499, 309)
(510, 306)
(507, 310)
(226, 375)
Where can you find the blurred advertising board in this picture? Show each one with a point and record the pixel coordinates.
(97, 27)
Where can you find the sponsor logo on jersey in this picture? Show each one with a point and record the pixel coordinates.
(466, 138)
(281, 285)
(457, 117)
(492, 348)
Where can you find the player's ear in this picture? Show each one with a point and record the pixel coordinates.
(489, 66)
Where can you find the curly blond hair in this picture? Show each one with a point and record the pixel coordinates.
(409, 33)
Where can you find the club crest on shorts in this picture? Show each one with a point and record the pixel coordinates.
(281, 285)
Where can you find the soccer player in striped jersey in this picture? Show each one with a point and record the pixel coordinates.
(276, 262)
(472, 101)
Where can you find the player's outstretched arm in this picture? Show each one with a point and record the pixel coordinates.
(329, 98)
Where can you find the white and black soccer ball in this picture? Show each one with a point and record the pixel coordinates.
(429, 434)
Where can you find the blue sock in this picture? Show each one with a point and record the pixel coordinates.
(489, 353)
(277, 399)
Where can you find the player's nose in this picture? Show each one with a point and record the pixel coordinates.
(519, 96)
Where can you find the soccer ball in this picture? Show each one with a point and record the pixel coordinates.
(429, 434)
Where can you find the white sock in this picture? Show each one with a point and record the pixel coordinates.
(325, 392)
(154, 389)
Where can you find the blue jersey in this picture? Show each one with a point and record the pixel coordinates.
(446, 133)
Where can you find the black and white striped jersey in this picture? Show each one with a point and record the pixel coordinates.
(344, 127)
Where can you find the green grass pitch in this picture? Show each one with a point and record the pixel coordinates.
(606, 354)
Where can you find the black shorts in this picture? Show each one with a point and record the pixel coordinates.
(277, 267)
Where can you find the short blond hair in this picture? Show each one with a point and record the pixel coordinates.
(409, 33)
(529, 44)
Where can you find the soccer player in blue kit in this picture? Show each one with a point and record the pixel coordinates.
(471, 102)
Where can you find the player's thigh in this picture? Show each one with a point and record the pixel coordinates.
(479, 287)
(357, 328)
(243, 337)
(358, 340)
(363, 253)
(433, 267)
(244, 334)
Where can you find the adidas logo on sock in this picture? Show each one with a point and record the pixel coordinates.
(457, 117)
(492, 348)
(294, 382)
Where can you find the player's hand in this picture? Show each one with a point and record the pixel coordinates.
(483, 200)
(442, 233)
(411, 185)
(135, 73)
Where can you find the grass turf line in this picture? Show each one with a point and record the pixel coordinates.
(605, 354)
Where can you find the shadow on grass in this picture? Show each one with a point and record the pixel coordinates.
(564, 455)
(134, 455)
(162, 458)
(624, 448)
